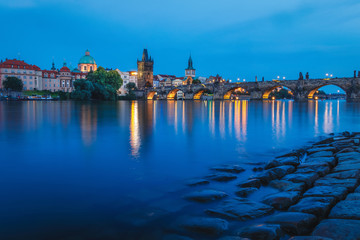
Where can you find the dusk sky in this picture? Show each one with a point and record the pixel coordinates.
(237, 38)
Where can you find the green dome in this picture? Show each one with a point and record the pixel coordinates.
(87, 59)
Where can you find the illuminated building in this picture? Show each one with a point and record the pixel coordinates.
(30, 75)
(145, 71)
(127, 77)
(87, 63)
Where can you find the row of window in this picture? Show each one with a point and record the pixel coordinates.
(24, 72)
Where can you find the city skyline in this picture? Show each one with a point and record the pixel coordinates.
(247, 42)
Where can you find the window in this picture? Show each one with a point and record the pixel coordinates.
(24, 77)
(45, 85)
(30, 82)
(49, 80)
(45, 80)
(30, 77)
(52, 75)
(84, 68)
(45, 74)
(91, 68)
(24, 82)
(6, 70)
(24, 88)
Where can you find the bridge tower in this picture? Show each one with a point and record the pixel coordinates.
(145, 71)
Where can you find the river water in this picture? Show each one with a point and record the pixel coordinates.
(73, 170)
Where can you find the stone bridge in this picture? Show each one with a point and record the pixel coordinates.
(301, 89)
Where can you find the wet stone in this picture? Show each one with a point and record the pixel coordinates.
(321, 170)
(175, 237)
(196, 182)
(294, 223)
(309, 238)
(282, 200)
(261, 232)
(284, 185)
(341, 167)
(357, 190)
(233, 238)
(345, 174)
(350, 184)
(240, 209)
(307, 178)
(222, 177)
(348, 155)
(244, 192)
(338, 229)
(229, 168)
(318, 206)
(205, 195)
(294, 161)
(281, 171)
(266, 176)
(327, 191)
(346, 210)
(320, 149)
(205, 225)
(251, 183)
(353, 197)
(322, 154)
(331, 161)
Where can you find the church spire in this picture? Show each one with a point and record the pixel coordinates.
(145, 56)
(53, 66)
(190, 63)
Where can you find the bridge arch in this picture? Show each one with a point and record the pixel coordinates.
(199, 93)
(310, 94)
(172, 94)
(227, 95)
(268, 91)
(150, 95)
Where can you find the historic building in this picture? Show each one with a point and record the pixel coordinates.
(189, 73)
(31, 75)
(87, 63)
(145, 71)
(127, 77)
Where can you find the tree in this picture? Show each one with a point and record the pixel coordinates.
(131, 86)
(13, 84)
(83, 90)
(105, 84)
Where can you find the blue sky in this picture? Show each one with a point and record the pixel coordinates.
(235, 38)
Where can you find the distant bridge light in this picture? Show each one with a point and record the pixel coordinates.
(278, 77)
(327, 74)
(244, 80)
(284, 78)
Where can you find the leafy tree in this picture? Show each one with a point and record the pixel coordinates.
(83, 90)
(131, 86)
(13, 84)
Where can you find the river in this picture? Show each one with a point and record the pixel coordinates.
(103, 170)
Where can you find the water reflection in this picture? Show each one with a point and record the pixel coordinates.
(134, 130)
(88, 124)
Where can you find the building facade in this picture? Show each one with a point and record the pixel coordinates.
(127, 77)
(145, 71)
(190, 70)
(87, 63)
(31, 75)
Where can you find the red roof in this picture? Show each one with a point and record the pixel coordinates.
(18, 64)
(64, 69)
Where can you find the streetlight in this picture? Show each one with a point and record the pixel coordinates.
(327, 74)
(244, 80)
(284, 78)
(278, 77)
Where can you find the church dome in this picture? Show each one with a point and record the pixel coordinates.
(87, 59)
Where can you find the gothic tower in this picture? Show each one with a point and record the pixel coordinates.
(190, 70)
(145, 71)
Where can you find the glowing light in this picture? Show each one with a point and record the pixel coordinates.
(316, 98)
(272, 98)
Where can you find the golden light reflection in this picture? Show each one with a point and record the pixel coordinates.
(316, 123)
(328, 118)
(222, 119)
(88, 124)
(244, 117)
(134, 130)
(212, 117)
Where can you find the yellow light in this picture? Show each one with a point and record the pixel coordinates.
(272, 98)
(316, 98)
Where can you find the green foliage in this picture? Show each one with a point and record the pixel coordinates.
(83, 90)
(13, 84)
(131, 86)
(100, 85)
(41, 93)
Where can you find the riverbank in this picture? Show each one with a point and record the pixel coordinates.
(311, 192)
